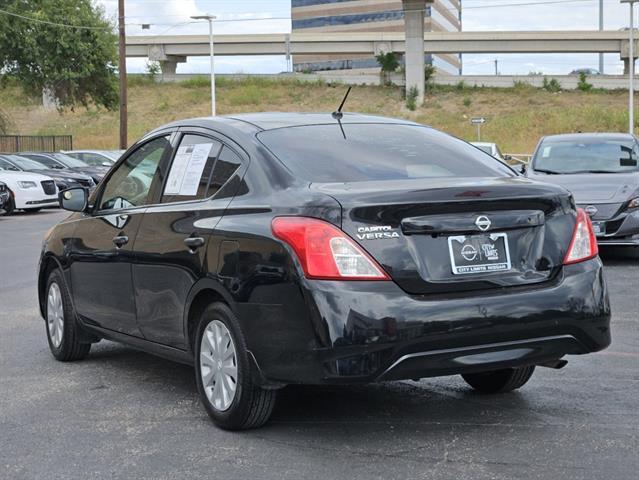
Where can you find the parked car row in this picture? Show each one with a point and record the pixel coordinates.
(32, 180)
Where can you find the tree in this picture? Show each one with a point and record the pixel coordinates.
(389, 63)
(75, 65)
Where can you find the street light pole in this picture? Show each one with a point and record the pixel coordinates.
(601, 27)
(631, 85)
(210, 19)
(124, 143)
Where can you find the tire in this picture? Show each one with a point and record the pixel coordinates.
(9, 207)
(62, 330)
(248, 405)
(499, 381)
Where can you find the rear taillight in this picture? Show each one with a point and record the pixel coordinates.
(583, 245)
(325, 252)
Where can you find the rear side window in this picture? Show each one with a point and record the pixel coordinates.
(320, 153)
(191, 169)
(200, 168)
(225, 167)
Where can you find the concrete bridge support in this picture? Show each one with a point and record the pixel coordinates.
(414, 11)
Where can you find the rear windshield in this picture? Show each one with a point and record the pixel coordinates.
(586, 156)
(319, 153)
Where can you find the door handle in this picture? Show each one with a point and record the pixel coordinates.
(120, 241)
(194, 243)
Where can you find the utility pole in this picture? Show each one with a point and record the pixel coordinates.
(601, 27)
(496, 67)
(124, 143)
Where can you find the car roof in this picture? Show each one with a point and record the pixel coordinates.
(256, 122)
(596, 135)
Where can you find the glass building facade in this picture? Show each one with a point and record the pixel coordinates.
(332, 16)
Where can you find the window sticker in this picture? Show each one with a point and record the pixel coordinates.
(546, 152)
(187, 169)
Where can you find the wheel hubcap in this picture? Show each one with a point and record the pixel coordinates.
(55, 315)
(218, 365)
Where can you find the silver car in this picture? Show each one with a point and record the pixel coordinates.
(602, 172)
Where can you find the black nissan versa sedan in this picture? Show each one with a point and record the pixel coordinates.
(273, 249)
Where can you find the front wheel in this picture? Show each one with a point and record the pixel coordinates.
(9, 207)
(62, 331)
(224, 375)
(499, 381)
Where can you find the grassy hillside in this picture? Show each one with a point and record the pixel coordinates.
(517, 116)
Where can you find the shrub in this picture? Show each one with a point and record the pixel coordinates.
(467, 102)
(153, 70)
(461, 86)
(411, 98)
(552, 85)
(583, 84)
(429, 73)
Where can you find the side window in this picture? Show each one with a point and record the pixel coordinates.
(226, 165)
(130, 184)
(191, 170)
(46, 161)
(92, 159)
(4, 165)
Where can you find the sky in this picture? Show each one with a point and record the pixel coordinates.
(272, 16)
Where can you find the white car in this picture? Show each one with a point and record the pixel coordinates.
(490, 149)
(29, 191)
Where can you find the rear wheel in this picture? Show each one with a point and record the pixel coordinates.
(224, 373)
(499, 381)
(62, 331)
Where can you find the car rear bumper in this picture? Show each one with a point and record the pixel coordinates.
(369, 331)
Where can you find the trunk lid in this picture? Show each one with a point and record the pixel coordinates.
(447, 235)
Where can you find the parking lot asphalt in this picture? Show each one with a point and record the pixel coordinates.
(125, 414)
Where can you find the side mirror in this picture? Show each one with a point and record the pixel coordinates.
(522, 169)
(74, 199)
(508, 158)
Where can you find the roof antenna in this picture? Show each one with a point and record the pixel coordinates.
(338, 115)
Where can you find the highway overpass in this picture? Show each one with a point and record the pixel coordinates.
(171, 49)
(178, 47)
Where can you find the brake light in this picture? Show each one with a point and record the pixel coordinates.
(326, 252)
(583, 245)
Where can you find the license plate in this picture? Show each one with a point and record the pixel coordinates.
(472, 254)
(599, 228)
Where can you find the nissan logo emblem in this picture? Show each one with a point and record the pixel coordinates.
(591, 210)
(483, 223)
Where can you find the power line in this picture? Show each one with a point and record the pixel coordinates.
(55, 24)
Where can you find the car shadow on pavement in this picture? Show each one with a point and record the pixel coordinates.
(442, 401)
(614, 256)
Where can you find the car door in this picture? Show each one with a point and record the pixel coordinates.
(102, 251)
(171, 244)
